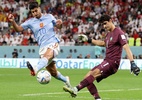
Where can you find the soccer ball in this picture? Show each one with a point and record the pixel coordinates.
(43, 77)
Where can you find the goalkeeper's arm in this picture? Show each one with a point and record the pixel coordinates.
(97, 42)
(134, 68)
(84, 38)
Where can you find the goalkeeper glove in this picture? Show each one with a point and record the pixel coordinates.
(84, 38)
(134, 68)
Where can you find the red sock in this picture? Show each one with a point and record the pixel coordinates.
(84, 83)
(93, 91)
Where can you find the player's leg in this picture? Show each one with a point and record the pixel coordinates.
(56, 74)
(43, 61)
(51, 68)
(89, 79)
(92, 88)
(106, 70)
(46, 53)
(93, 91)
(97, 73)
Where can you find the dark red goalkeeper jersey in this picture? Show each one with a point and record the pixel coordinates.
(114, 44)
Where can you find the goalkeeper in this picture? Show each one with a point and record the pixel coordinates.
(114, 42)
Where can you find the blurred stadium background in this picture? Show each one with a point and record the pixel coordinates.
(79, 17)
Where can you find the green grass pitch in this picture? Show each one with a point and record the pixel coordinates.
(17, 84)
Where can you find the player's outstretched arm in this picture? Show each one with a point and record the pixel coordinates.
(15, 25)
(134, 68)
(98, 42)
(84, 38)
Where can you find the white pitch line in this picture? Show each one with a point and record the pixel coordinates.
(69, 96)
(134, 89)
(119, 99)
(55, 93)
(36, 94)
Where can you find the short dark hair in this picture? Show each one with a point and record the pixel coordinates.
(33, 5)
(104, 18)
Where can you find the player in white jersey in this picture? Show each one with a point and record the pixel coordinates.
(42, 25)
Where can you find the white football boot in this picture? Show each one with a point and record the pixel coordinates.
(98, 99)
(73, 91)
(67, 83)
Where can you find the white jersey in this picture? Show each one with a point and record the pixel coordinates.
(43, 29)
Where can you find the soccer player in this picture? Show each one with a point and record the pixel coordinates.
(114, 42)
(42, 25)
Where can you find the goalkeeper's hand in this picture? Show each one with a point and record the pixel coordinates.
(134, 68)
(82, 38)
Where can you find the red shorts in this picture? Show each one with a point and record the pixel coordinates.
(107, 68)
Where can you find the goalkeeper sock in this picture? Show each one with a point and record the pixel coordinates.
(84, 83)
(42, 63)
(93, 91)
(61, 77)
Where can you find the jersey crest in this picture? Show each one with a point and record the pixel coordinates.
(41, 25)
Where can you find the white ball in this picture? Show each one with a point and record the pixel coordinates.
(43, 77)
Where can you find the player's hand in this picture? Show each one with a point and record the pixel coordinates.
(59, 23)
(134, 68)
(10, 17)
(82, 38)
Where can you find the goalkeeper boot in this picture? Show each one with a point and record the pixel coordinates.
(73, 91)
(30, 68)
(67, 83)
(97, 99)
